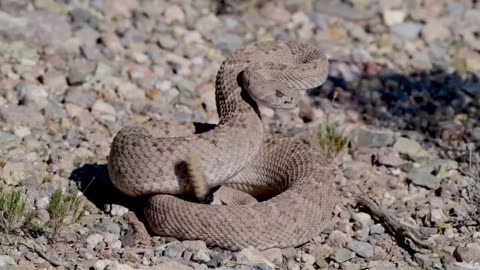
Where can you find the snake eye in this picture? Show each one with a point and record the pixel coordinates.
(279, 94)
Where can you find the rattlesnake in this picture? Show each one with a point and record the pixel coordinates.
(151, 158)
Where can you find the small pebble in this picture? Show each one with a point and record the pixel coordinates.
(93, 240)
(343, 255)
(118, 210)
(362, 249)
(76, 77)
(201, 256)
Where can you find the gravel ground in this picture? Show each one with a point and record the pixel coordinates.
(403, 83)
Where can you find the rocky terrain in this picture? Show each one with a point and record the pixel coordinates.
(403, 87)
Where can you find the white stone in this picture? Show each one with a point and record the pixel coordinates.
(437, 215)
(201, 256)
(103, 111)
(130, 91)
(392, 16)
(363, 219)
(5, 261)
(118, 210)
(42, 203)
(174, 13)
(22, 131)
(93, 240)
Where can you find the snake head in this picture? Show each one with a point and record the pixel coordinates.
(270, 93)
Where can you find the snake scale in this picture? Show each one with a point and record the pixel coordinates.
(295, 181)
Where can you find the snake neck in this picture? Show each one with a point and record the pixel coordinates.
(233, 103)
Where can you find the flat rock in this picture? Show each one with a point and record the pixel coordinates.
(32, 95)
(362, 249)
(469, 254)
(427, 262)
(171, 265)
(342, 10)
(201, 256)
(81, 97)
(251, 255)
(424, 179)
(435, 31)
(274, 255)
(406, 30)
(76, 76)
(108, 264)
(93, 240)
(104, 111)
(383, 265)
(388, 157)
(21, 115)
(440, 167)
(6, 261)
(342, 255)
(7, 137)
(42, 28)
(362, 137)
(411, 149)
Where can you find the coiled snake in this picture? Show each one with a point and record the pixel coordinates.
(152, 158)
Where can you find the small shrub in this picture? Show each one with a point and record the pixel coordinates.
(329, 140)
(64, 208)
(12, 210)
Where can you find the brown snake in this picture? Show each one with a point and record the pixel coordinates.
(151, 158)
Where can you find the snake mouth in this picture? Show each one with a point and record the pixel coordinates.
(288, 103)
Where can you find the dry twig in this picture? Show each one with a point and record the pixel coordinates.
(398, 229)
(35, 247)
